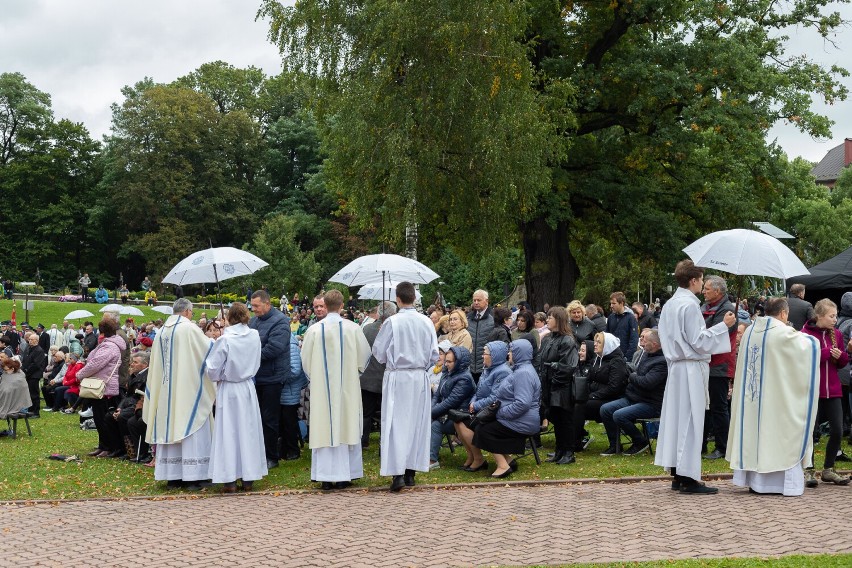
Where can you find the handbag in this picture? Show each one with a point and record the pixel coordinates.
(456, 415)
(93, 387)
(486, 415)
(580, 388)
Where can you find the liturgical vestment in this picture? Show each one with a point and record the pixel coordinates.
(773, 407)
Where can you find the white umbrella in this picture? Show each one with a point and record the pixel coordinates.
(375, 291)
(163, 309)
(378, 267)
(79, 314)
(131, 311)
(744, 252)
(111, 308)
(214, 265)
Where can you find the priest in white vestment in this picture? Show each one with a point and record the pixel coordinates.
(687, 345)
(408, 347)
(773, 405)
(238, 450)
(334, 353)
(179, 400)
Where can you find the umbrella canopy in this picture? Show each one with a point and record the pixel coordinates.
(111, 308)
(374, 291)
(79, 314)
(131, 311)
(163, 309)
(376, 267)
(214, 265)
(744, 252)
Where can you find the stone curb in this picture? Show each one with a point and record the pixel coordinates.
(380, 488)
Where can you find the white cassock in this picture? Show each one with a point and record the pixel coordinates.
(179, 400)
(334, 353)
(57, 337)
(408, 347)
(687, 345)
(773, 408)
(238, 451)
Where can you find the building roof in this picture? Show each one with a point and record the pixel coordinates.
(828, 169)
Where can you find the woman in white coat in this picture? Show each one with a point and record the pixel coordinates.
(238, 451)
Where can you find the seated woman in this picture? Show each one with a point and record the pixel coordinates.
(586, 355)
(495, 369)
(14, 391)
(438, 369)
(71, 382)
(607, 380)
(436, 315)
(453, 393)
(517, 418)
(458, 335)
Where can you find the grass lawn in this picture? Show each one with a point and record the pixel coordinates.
(816, 561)
(28, 474)
(54, 312)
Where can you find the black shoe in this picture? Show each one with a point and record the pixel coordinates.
(697, 488)
(481, 467)
(556, 457)
(841, 457)
(567, 457)
(342, 484)
(174, 484)
(144, 459)
(513, 465)
(327, 486)
(194, 486)
(270, 464)
(676, 484)
(610, 451)
(503, 475)
(714, 455)
(117, 453)
(293, 456)
(637, 448)
(408, 478)
(397, 484)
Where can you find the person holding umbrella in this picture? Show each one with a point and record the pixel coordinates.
(687, 345)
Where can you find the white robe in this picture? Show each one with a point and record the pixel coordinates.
(238, 451)
(773, 408)
(687, 345)
(408, 347)
(334, 353)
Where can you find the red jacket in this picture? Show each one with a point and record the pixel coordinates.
(70, 380)
(829, 382)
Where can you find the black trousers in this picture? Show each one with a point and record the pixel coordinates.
(289, 429)
(830, 409)
(269, 400)
(48, 394)
(372, 403)
(718, 418)
(563, 427)
(109, 438)
(136, 429)
(34, 386)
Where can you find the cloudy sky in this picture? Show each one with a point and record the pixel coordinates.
(82, 52)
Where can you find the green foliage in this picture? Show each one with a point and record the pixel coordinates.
(494, 271)
(291, 268)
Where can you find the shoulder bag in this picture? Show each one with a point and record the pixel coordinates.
(486, 415)
(94, 387)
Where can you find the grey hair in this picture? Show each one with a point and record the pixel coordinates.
(385, 310)
(483, 292)
(181, 305)
(114, 314)
(652, 335)
(143, 356)
(718, 283)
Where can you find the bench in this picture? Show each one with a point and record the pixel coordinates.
(12, 422)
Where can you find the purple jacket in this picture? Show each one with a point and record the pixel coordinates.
(829, 383)
(105, 358)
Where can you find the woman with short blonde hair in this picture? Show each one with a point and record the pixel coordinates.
(459, 336)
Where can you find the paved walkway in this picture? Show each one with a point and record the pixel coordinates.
(427, 527)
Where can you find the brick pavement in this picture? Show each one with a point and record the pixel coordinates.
(549, 524)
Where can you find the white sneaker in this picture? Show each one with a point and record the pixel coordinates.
(86, 413)
(47, 409)
(434, 465)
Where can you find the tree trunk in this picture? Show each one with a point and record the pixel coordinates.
(550, 269)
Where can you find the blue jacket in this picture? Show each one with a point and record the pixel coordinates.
(101, 296)
(274, 348)
(625, 328)
(520, 393)
(296, 381)
(455, 388)
(492, 376)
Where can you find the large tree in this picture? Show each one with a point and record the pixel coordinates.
(447, 111)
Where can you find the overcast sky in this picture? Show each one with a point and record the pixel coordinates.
(82, 52)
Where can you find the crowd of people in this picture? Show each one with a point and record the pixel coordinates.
(230, 396)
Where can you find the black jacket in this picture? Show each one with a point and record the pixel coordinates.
(800, 312)
(480, 330)
(648, 383)
(127, 406)
(34, 363)
(585, 329)
(608, 376)
(556, 362)
(274, 330)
